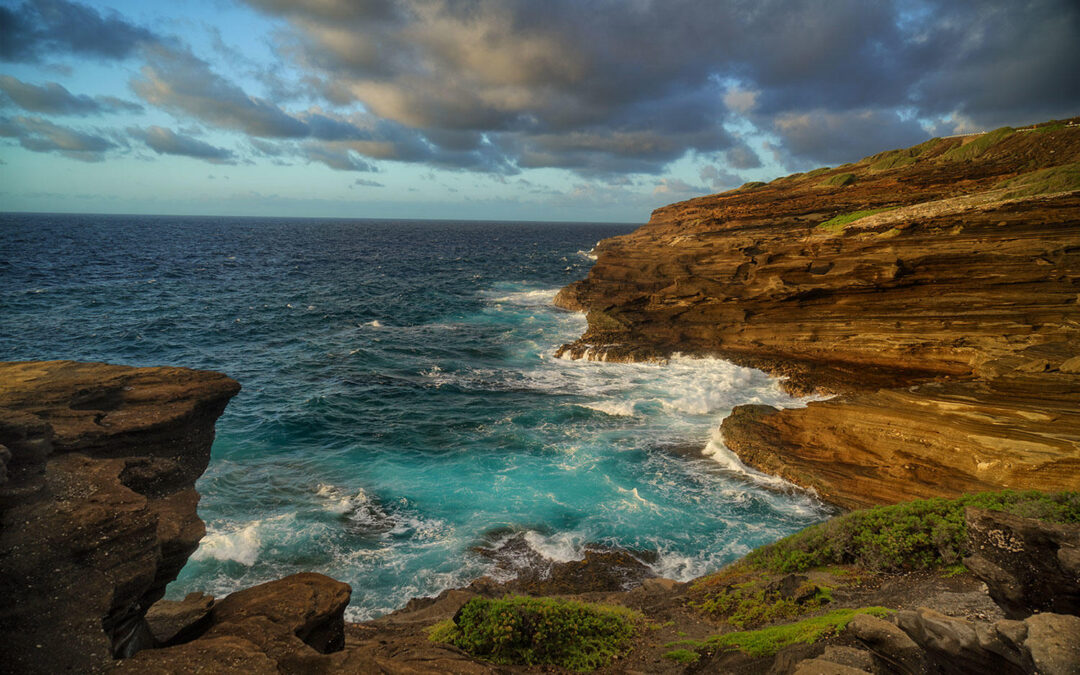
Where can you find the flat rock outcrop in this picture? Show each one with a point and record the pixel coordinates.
(936, 288)
(288, 625)
(98, 506)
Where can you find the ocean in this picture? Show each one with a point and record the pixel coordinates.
(401, 405)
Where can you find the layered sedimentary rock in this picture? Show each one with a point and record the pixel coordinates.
(98, 506)
(936, 288)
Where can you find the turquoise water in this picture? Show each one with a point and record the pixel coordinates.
(401, 404)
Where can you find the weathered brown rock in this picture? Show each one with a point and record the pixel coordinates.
(288, 625)
(950, 287)
(175, 621)
(1029, 565)
(1019, 430)
(98, 512)
(1044, 643)
(891, 645)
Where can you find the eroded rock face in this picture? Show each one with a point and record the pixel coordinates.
(940, 439)
(1028, 565)
(98, 512)
(926, 641)
(966, 293)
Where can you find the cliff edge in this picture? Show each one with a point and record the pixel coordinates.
(934, 289)
(97, 503)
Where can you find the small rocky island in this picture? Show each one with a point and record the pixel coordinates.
(934, 290)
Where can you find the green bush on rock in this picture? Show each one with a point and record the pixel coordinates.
(768, 641)
(921, 534)
(519, 630)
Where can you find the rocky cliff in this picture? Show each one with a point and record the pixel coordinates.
(936, 289)
(97, 503)
(98, 514)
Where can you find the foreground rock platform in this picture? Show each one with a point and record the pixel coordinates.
(947, 317)
(97, 503)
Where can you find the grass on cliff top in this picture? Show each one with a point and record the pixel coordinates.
(1062, 178)
(922, 534)
(978, 146)
(518, 630)
(838, 223)
(839, 180)
(768, 641)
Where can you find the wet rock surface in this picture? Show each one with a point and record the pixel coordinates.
(98, 512)
(949, 321)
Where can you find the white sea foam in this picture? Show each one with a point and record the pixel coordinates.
(374, 324)
(240, 544)
(338, 502)
(531, 298)
(560, 546)
(727, 459)
(613, 408)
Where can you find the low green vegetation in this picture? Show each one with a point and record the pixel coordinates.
(838, 223)
(768, 641)
(902, 157)
(1064, 178)
(922, 534)
(893, 160)
(839, 180)
(751, 185)
(519, 630)
(682, 656)
(818, 171)
(1052, 125)
(977, 147)
(757, 601)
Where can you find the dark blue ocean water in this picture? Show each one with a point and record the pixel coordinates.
(401, 404)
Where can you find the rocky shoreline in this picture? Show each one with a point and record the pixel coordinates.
(934, 289)
(948, 325)
(98, 515)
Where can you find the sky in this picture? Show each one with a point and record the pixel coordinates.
(579, 110)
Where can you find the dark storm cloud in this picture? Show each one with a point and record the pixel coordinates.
(822, 137)
(39, 135)
(605, 71)
(742, 156)
(38, 29)
(53, 98)
(1005, 63)
(168, 142)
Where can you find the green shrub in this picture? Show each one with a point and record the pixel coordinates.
(978, 146)
(839, 180)
(754, 184)
(1062, 178)
(755, 603)
(893, 160)
(838, 223)
(768, 641)
(921, 534)
(519, 630)
(682, 656)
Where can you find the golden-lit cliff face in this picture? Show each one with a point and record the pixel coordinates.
(936, 288)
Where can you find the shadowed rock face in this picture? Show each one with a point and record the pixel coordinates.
(950, 322)
(1028, 565)
(98, 509)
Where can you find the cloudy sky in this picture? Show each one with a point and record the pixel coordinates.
(494, 109)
